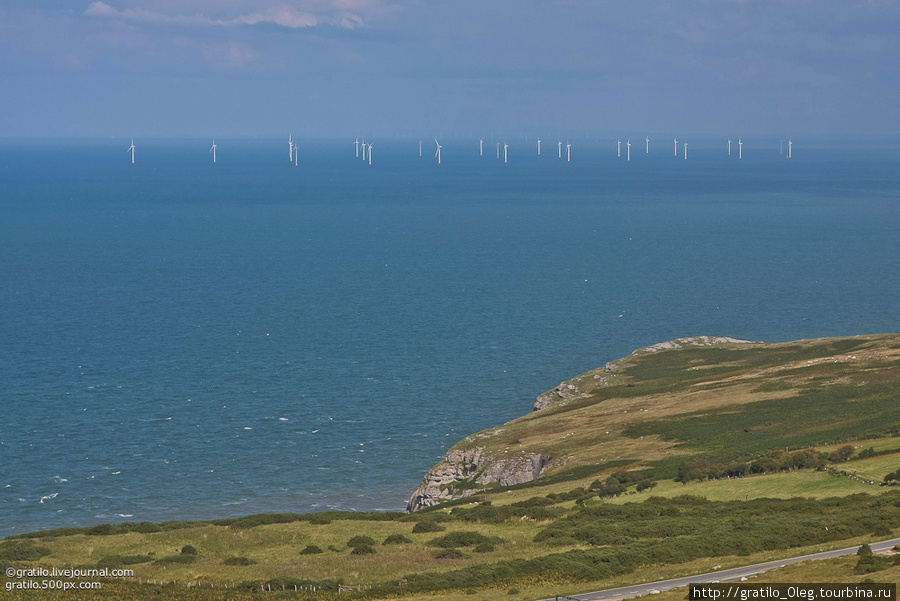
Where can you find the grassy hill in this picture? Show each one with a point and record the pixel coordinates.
(677, 458)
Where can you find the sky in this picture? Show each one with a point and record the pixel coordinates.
(414, 68)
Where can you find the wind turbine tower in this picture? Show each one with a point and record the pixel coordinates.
(363, 150)
(213, 150)
(568, 152)
(685, 151)
(481, 147)
(729, 146)
(539, 147)
(560, 149)
(648, 144)
(357, 147)
(291, 148)
(437, 153)
(628, 148)
(370, 154)
(790, 148)
(420, 147)
(618, 148)
(296, 155)
(131, 149)
(505, 152)
(740, 148)
(676, 146)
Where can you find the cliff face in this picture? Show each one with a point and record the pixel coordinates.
(464, 473)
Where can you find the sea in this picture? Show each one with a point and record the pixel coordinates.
(189, 340)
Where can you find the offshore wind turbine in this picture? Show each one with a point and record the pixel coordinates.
(437, 153)
(790, 148)
(291, 148)
(498, 150)
(740, 148)
(568, 152)
(618, 148)
(420, 147)
(685, 151)
(213, 150)
(629, 149)
(357, 147)
(729, 146)
(648, 144)
(370, 154)
(364, 150)
(296, 155)
(481, 147)
(539, 147)
(505, 152)
(560, 148)
(131, 149)
(676, 146)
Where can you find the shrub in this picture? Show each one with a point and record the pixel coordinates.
(361, 541)
(189, 550)
(111, 562)
(484, 548)
(842, 454)
(311, 550)
(464, 538)
(427, 526)
(395, 539)
(237, 561)
(362, 550)
(22, 551)
(513, 591)
(319, 520)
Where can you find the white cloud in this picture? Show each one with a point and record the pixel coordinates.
(338, 13)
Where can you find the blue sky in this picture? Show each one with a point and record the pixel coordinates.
(325, 68)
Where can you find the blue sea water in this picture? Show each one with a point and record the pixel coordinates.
(188, 340)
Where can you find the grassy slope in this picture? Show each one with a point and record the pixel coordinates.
(656, 410)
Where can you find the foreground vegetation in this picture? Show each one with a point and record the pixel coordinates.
(673, 462)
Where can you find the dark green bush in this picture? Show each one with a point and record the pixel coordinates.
(22, 551)
(310, 550)
(464, 538)
(110, 562)
(238, 561)
(362, 550)
(395, 539)
(319, 520)
(427, 526)
(189, 550)
(361, 541)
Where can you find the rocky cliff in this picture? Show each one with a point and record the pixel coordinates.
(470, 467)
(463, 473)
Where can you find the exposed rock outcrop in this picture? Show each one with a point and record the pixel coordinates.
(464, 473)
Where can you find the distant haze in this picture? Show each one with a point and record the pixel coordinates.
(417, 68)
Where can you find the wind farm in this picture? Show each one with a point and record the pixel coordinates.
(521, 149)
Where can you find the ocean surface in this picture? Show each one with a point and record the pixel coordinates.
(188, 340)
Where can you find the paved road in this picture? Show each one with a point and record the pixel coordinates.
(638, 590)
